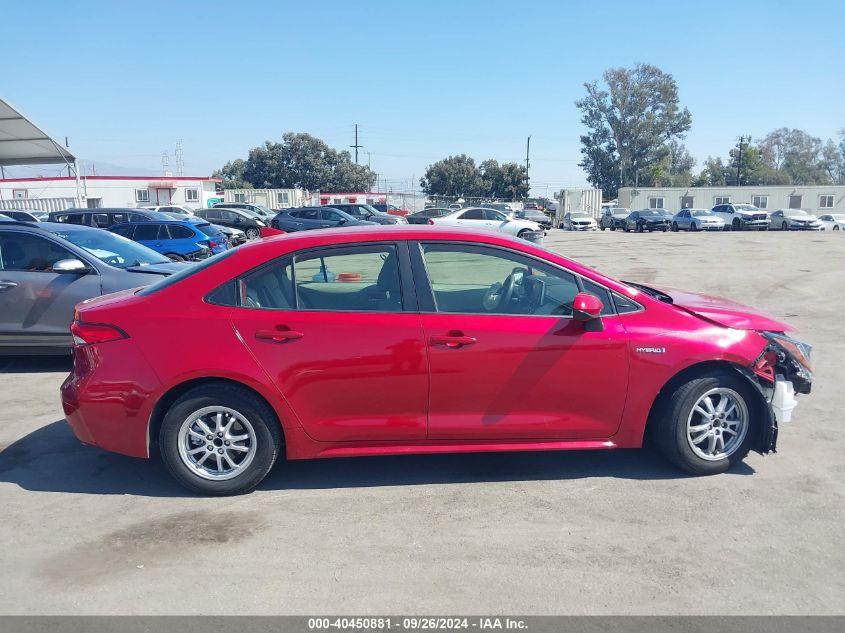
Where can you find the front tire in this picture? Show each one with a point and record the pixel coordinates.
(675, 227)
(706, 424)
(784, 227)
(735, 226)
(835, 228)
(252, 233)
(219, 439)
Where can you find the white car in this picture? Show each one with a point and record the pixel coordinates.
(742, 217)
(490, 220)
(793, 220)
(832, 221)
(578, 222)
(172, 208)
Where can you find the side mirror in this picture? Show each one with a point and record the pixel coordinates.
(341, 221)
(586, 307)
(70, 267)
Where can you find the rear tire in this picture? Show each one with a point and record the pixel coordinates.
(784, 226)
(252, 233)
(248, 416)
(683, 433)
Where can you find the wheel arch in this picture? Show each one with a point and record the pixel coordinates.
(176, 391)
(766, 431)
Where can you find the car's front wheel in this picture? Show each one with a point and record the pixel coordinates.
(704, 426)
(219, 439)
(252, 233)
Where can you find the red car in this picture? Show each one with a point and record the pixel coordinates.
(410, 339)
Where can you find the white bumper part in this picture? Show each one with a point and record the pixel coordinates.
(783, 400)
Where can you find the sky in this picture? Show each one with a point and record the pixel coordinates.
(423, 80)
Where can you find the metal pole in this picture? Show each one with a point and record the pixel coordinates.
(78, 192)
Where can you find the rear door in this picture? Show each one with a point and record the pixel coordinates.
(36, 304)
(337, 330)
(150, 234)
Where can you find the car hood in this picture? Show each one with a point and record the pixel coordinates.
(724, 311)
(158, 269)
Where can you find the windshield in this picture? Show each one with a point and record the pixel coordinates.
(745, 207)
(700, 213)
(115, 250)
(209, 229)
(649, 212)
(795, 213)
(370, 209)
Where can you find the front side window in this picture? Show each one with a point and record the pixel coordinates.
(469, 279)
(146, 231)
(826, 202)
(473, 214)
(30, 253)
(142, 195)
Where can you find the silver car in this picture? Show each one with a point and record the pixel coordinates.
(46, 269)
(697, 220)
(578, 222)
(794, 220)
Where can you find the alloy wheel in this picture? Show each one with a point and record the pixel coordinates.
(217, 443)
(717, 424)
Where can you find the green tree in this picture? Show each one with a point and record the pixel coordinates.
(833, 160)
(508, 181)
(300, 160)
(796, 154)
(453, 176)
(712, 175)
(675, 170)
(232, 175)
(630, 121)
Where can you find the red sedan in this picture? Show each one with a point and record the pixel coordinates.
(412, 339)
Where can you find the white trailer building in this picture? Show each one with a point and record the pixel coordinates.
(270, 198)
(816, 199)
(55, 194)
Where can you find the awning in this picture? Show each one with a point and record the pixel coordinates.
(23, 143)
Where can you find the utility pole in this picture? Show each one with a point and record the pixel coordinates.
(739, 161)
(527, 153)
(68, 167)
(356, 146)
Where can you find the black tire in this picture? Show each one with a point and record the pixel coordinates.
(639, 228)
(675, 227)
(835, 228)
(671, 415)
(603, 227)
(612, 227)
(735, 225)
(522, 233)
(268, 436)
(693, 227)
(174, 257)
(252, 233)
(665, 228)
(784, 226)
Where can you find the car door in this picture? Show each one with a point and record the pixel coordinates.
(337, 330)
(311, 219)
(472, 219)
(36, 304)
(151, 235)
(331, 218)
(518, 367)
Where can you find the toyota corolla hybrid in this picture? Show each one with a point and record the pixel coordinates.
(398, 340)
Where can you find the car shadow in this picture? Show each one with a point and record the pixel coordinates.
(51, 459)
(35, 364)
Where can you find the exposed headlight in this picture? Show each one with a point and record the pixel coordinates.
(799, 350)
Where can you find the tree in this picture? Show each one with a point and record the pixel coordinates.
(302, 161)
(232, 175)
(796, 154)
(675, 170)
(712, 175)
(753, 170)
(453, 176)
(833, 160)
(630, 123)
(508, 181)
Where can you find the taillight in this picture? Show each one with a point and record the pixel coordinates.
(213, 244)
(90, 333)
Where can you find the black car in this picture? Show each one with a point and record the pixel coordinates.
(104, 218)
(422, 217)
(20, 216)
(646, 220)
(307, 218)
(534, 216)
(247, 221)
(366, 213)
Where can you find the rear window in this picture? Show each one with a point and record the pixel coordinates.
(208, 229)
(187, 271)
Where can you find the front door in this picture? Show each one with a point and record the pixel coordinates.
(330, 328)
(507, 360)
(36, 304)
(163, 196)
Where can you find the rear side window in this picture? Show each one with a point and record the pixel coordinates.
(624, 305)
(125, 231)
(270, 287)
(180, 232)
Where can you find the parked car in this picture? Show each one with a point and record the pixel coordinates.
(646, 220)
(455, 206)
(578, 222)
(47, 268)
(179, 241)
(532, 206)
(498, 206)
(366, 213)
(41, 216)
(832, 221)
(496, 345)
(241, 219)
(20, 216)
(422, 217)
(739, 217)
(390, 209)
(308, 218)
(104, 218)
(794, 220)
(6, 218)
(534, 216)
(614, 218)
(179, 209)
(259, 209)
(234, 237)
(697, 220)
(490, 220)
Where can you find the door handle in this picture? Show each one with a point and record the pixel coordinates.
(278, 336)
(453, 340)
(7, 285)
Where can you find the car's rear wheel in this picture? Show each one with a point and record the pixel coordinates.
(174, 257)
(784, 226)
(252, 233)
(612, 227)
(219, 439)
(704, 426)
(835, 228)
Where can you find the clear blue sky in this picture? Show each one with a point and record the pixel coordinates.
(422, 79)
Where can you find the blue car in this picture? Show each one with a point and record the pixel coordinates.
(178, 240)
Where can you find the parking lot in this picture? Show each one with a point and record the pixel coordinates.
(89, 532)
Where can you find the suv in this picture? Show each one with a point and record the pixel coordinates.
(258, 209)
(47, 268)
(243, 219)
(104, 218)
(739, 217)
(366, 213)
(177, 240)
(306, 218)
(614, 218)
